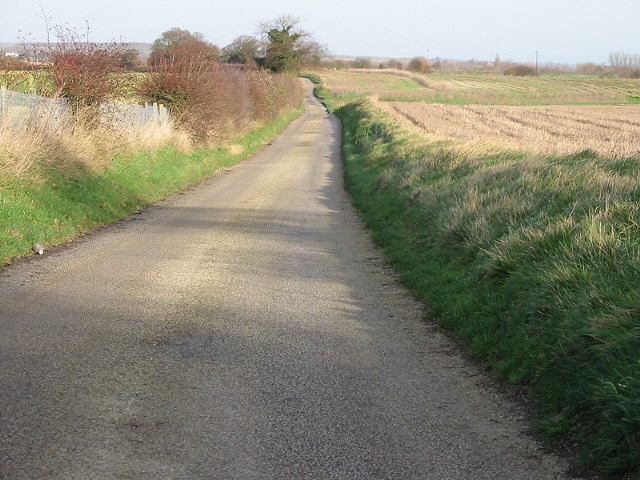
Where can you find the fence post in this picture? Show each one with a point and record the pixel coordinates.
(4, 106)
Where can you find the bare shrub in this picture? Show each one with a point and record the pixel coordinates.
(362, 62)
(84, 77)
(243, 50)
(229, 103)
(289, 93)
(207, 99)
(53, 136)
(177, 46)
(271, 94)
(212, 101)
(78, 70)
(419, 65)
(394, 63)
(521, 71)
(589, 68)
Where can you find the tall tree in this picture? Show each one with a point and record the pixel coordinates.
(176, 45)
(130, 59)
(286, 47)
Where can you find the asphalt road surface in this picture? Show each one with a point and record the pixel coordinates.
(245, 329)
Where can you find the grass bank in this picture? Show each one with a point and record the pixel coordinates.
(532, 261)
(62, 201)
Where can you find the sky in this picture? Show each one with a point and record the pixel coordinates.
(558, 31)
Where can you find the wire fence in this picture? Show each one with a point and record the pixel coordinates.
(19, 109)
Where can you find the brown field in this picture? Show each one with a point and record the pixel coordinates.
(549, 115)
(610, 130)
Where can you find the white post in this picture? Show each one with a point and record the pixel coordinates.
(4, 106)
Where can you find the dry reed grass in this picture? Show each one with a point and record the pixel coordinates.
(611, 131)
(59, 139)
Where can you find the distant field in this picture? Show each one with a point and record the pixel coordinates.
(549, 115)
(482, 88)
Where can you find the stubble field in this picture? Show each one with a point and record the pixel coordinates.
(544, 115)
(608, 130)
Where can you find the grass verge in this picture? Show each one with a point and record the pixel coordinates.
(532, 261)
(65, 201)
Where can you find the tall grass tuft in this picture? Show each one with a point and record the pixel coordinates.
(50, 138)
(533, 260)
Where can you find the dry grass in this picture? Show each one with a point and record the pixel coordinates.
(611, 131)
(50, 138)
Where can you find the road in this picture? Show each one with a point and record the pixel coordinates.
(245, 329)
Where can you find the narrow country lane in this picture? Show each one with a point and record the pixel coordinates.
(246, 329)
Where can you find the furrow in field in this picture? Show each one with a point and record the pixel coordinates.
(612, 131)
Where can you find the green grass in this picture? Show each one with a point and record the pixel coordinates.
(534, 262)
(17, 80)
(66, 202)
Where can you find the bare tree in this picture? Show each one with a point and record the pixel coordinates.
(243, 50)
(625, 64)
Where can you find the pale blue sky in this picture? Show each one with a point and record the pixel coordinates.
(562, 31)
